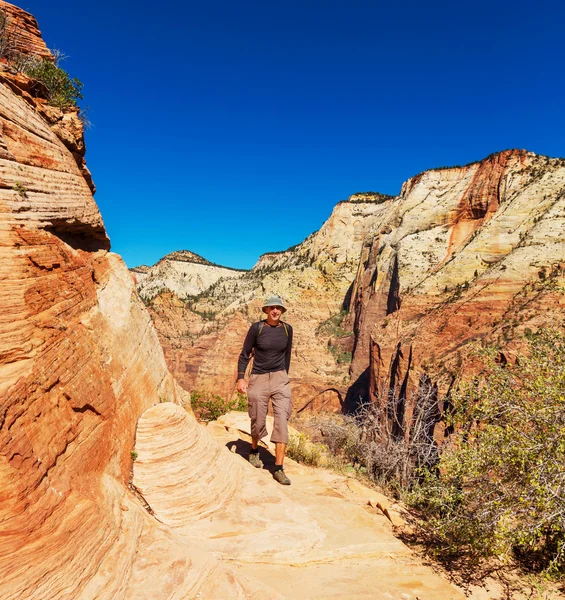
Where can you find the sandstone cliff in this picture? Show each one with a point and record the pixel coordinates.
(84, 391)
(463, 254)
(202, 337)
(79, 363)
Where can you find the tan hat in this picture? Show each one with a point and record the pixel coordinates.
(274, 301)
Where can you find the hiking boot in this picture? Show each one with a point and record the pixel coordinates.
(281, 477)
(255, 460)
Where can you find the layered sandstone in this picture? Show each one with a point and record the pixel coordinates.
(286, 539)
(313, 278)
(20, 32)
(79, 363)
(183, 273)
(463, 254)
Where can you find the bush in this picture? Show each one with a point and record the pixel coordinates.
(314, 454)
(62, 91)
(379, 442)
(302, 450)
(209, 407)
(500, 485)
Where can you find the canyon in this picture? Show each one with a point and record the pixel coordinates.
(393, 292)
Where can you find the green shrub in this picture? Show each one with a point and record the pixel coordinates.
(499, 488)
(341, 357)
(209, 407)
(314, 454)
(302, 450)
(332, 326)
(63, 91)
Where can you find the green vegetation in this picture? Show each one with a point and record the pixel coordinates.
(20, 188)
(62, 90)
(302, 450)
(498, 489)
(133, 455)
(370, 197)
(52, 82)
(209, 407)
(332, 326)
(314, 454)
(341, 357)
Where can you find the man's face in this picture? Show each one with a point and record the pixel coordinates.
(274, 312)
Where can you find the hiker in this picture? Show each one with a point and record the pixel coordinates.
(269, 342)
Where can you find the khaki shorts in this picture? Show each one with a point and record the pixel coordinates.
(261, 388)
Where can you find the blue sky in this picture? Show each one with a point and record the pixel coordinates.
(233, 128)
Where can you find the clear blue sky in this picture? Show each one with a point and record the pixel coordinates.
(232, 128)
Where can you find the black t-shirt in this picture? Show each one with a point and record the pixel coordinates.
(270, 346)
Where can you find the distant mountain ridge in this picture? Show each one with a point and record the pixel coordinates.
(182, 272)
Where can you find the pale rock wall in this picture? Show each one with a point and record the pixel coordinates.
(183, 278)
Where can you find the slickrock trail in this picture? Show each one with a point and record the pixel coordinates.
(314, 539)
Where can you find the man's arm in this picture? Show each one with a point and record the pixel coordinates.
(245, 355)
(288, 349)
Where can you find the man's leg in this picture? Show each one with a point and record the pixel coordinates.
(280, 450)
(258, 398)
(282, 408)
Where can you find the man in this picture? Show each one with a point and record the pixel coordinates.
(270, 343)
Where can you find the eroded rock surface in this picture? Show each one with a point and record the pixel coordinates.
(317, 538)
(79, 363)
(183, 273)
(466, 253)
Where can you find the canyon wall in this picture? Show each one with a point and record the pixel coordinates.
(182, 273)
(79, 363)
(463, 254)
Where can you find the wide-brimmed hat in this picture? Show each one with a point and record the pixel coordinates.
(274, 301)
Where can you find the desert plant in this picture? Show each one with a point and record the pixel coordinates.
(341, 356)
(301, 449)
(499, 488)
(209, 407)
(20, 188)
(63, 91)
(377, 440)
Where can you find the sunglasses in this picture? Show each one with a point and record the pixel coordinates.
(274, 308)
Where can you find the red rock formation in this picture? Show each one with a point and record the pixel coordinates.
(459, 259)
(79, 363)
(313, 278)
(21, 32)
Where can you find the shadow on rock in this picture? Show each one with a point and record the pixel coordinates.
(242, 448)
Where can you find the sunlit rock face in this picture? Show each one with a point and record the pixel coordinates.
(183, 273)
(463, 254)
(202, 338)
(79, 363)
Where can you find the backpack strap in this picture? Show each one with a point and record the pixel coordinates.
(259, 329)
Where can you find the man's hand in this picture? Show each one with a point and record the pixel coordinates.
(242, 386)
